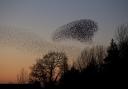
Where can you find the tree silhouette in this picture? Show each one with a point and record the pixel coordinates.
(88, 71)
(94, 54)
(70, 79)
(122, 39)
(122, 34)
(113, 52)
(112, 64)
(116, 62)
(49, 69)
(22, 77)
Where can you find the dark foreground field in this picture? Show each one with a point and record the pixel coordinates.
(102, 85)
(19, 86)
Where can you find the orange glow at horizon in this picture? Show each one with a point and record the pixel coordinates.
(11, 62)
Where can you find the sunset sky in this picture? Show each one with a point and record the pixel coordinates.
(26, 28)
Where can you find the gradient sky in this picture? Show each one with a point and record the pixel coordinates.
(30, 23)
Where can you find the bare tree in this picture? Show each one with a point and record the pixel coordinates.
(100, 54)
(48, 69)
(122, 40)
(95, 54)
(122, 34)
(22, 77)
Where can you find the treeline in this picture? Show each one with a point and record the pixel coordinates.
(96, 66)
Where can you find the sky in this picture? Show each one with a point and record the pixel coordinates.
(26, 28)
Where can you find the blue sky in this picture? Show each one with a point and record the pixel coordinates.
(44, 16)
